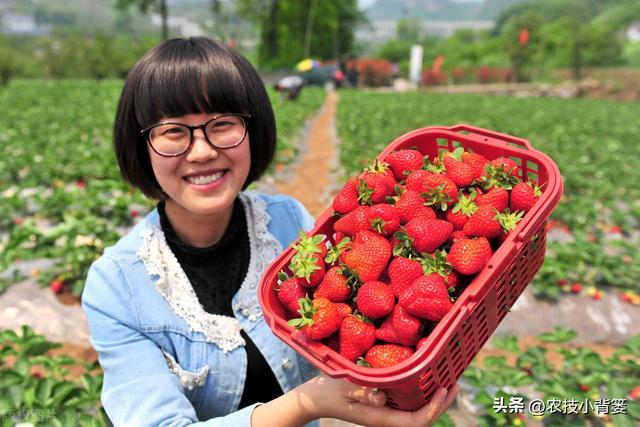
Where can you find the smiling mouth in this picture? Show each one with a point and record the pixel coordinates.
(205, 179)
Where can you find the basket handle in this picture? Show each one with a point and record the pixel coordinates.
(492, 136)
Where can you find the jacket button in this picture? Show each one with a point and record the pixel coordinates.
(286, 363)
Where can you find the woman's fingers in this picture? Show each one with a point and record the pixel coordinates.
(451, 396)
(434, 407)
(368, 396)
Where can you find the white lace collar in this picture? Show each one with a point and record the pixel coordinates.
(172, 282)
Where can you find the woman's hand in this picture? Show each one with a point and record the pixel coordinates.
(326, 397)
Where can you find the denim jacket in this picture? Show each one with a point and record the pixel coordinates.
(166, 361)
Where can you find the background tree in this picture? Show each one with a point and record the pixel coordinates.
(159, 6)
(325, 28)
(521, 37)
(9, 62)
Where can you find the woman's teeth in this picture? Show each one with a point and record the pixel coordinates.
(202, 180)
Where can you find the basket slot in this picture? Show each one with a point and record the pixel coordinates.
(470, 349)
(530, 171)
(426, 380)
(443, 143)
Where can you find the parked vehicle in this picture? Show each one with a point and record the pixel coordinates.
(324, 75)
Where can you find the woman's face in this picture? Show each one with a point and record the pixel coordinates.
(203, 181)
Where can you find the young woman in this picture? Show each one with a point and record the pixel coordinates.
(172, 307)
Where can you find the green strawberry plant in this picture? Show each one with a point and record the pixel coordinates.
(62, 196)
(34, 387)
(582, 376)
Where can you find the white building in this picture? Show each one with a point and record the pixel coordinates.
(633, 32)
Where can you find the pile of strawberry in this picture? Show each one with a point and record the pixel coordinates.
(411, 233)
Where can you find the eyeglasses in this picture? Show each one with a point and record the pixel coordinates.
(173, 139)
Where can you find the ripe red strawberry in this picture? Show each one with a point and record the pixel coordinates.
(477, 161)
(402, 272)
(456, 235)
(416, 179)
(484, 222)
(497, 197)
(384, 219)
(386, 355)
(408, 326)
(289, 292)
(320, 318)
(347, 199)
(427, 298)
(367, 255)
(462, 174)
(375, 299)
(354, 222)
(357, 335)
(437, 263)
(310, 244)
(376, 184)
(343, 308)
(469, 256)
(411, 205)
(56, 286)
(425, 235)
(310, 268)
(400, 328)
(404, 161)
(523, 196)
(440, 191)
(462, 210)
(335, 285)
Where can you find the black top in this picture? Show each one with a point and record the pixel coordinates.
(216, 273)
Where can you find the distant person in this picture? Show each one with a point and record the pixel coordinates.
(352, 75)
(290, 87)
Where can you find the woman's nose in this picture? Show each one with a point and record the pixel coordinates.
(200, 148)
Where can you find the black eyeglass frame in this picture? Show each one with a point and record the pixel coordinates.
(147, 132)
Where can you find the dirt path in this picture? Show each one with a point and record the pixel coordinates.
(311, 179)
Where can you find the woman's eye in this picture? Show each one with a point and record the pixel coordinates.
(222, 124)
(173, 131)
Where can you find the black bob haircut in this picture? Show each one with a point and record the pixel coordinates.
(189, 76)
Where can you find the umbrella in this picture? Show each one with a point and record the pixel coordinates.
(307, 64)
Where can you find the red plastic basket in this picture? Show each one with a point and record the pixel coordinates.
(460, 335)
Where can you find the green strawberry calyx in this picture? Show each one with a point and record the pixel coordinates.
(465, 204)
(362, 362)
(333, 254)
(307, 310)
(436, 263)
(509, 220)
(497, 175)
(437, 197)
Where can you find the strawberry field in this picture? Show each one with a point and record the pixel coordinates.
(62, 195)
(63, 202)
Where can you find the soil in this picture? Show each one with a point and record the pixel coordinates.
(310, 180)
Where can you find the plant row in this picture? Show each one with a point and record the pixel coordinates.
(61, 192)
